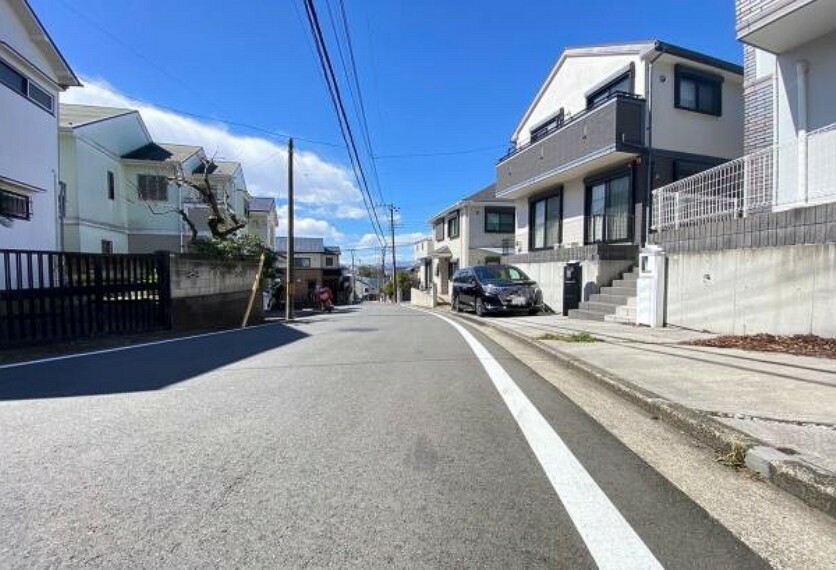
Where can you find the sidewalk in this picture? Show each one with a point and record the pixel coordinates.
(783, 402)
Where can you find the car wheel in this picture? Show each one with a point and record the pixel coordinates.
(456, 306)
(480, 307)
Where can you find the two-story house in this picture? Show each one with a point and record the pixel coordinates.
(120, 186)
(476, 230)
(751, 244)
(263, 220)
(97, 195)
(32, 73)
(315, 265)
(609, 123)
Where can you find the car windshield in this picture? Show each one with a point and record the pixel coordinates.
(500, 273)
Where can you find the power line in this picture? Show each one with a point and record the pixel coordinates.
(361, 107)
(345, 126)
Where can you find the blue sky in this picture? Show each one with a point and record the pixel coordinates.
(437, 76)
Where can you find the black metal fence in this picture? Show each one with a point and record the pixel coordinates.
(47, 296)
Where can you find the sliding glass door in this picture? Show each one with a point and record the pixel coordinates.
(609, 210)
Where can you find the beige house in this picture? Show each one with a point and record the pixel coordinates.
(477, 230)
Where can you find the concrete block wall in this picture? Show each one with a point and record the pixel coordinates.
(800, 226)
(210, 294)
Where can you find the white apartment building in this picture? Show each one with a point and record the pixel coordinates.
(32, 73)
(263, 220)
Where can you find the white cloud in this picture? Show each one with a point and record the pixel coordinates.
(323, 189)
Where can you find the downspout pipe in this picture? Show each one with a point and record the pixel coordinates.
(802, 69)
(660, 50)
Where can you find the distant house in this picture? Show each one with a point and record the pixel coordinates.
(609, 124)
(315, 265)
(263, 220)
(476, 230)
(32, 73)
(120, 196)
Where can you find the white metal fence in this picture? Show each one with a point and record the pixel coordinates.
(783, 176)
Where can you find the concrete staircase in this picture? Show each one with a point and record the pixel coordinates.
(615, 304)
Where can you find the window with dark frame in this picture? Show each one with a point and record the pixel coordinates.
(302, 262)
(609, 204)
(111, 185)
(685, 168)
(21, 84)
(439, 231)
(621, 84)
(499, 221)
(698, 91)
(329, 262)
(107, 246)
(453, 227)
(152, 187)
(545, 225)
(549, 126)
(14, 205)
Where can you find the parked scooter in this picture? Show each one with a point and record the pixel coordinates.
(324, 297)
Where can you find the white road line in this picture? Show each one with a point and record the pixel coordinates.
(127, 347)
(611, 540)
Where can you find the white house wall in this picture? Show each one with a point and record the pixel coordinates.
(91, 216)
(821, 87)
(119, 135)
(29, 155)
(16, 35)
(696, 133)
(569, 86)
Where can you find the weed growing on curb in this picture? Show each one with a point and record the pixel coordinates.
(575, 337)
(736, 456)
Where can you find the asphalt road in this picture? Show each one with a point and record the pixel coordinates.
(372, 437)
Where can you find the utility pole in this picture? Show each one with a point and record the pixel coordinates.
(396, 289)
(288, 305)
(353, 282)
(382, 271)
(394, 262)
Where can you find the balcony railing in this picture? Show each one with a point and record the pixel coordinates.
(788, 175)
(568, 121)
(615, 125)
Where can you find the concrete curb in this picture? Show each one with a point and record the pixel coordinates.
(811, 484)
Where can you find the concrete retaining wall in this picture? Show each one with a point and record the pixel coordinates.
(211, 294)
(421, 298)
(778, 290)
(600, 264)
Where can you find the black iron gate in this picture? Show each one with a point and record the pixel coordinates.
(47, 296)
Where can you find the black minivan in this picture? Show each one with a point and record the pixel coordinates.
(495, 289)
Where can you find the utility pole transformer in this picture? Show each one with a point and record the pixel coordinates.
(288, 305)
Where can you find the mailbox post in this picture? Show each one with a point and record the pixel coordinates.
(572, 286)
(651, 287)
